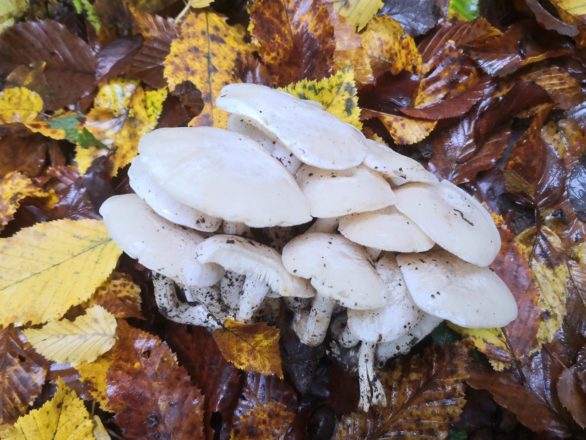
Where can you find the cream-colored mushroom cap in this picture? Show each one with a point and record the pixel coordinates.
(452, 218)
(249, 258)
(337, 268)
(397, 168)
(336, 193)
(313, 135)
(396, 318)
(223, 174)
(449, 288)
(157, 243)
(386, 229)
(166, 206)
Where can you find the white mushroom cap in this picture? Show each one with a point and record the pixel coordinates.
(270, 143)
(398, 316)
(387, 230)
(336, 193)
(452, 218)
(337, 268)
(158, 244)
(247, 257)
(449, 288)
(223, 174)
(164, 205)
(397, 168)
(313, 135)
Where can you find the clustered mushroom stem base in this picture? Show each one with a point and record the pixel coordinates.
(170, 306)
(371, 389)
(209, 297)
(254, 292)
(313, 328)
(348, 339)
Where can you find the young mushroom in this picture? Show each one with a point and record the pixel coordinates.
(166, 249)
(163, 204)
(339, 271)
(313, 135)
(386, 229)
(452, 218)
(336, 193)
(395, 319)
(260, 264)
(225, 175)
(463, 293)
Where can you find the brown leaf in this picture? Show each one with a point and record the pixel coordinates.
(549, 21)
(270, 420)
(563, 88)
(425, 394)
(570, 387)
(152, 395)
(68, 62)
(14, 188)
(25, 153)
(115, 57)
(250, 347)
(294, 37)
(416, 17)
(119, 295)
(21, 376)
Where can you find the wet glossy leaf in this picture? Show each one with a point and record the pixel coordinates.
(577, 188)
(270, 420)
(416, 17)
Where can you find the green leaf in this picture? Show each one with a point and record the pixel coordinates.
(84, 6)
(464, 9)
(73, 133)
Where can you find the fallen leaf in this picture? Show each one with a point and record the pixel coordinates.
(577, 188)
(358, 12)
(463, 9)
(295, 39)
(68, 62)
(403, 129)
(425, 394)
(95, 374)
(73, 342)
(563, 88)
(52, 266)
(150, 393)
(206, 53)
(570, 389)
(119, 295)
(10, 10)
(63, 417)
(86, 8)
(100, 432)
(250, 347)
(24, 153)
(336, 93)
(21, 375)
(18, 104)
(490, 341)
(72, 129)
(416, 17)
(270, 420)
(14, 188)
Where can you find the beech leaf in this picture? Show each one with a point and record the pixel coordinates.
(14, 187)
(270, 420)
(18, 104)
(358, 12)
(120, 296)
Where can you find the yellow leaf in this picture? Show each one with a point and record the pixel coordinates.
(14, 187)
(9, 10)
(63, 417)
(337, 94)
(358, 12)
(574, 7)
(405, 130)
(96, 374)
(250, 347)
(73, 342)
(18, 104)
(195, 4)
(119, 295)
(390, 48)
(42, 127)
(206, 53)
(100, 432)
(50, 267)
(488, 341)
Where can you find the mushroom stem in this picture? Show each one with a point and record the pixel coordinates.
(171, 308)
(207, 296)
(371, 389)
(325, 225)
(347, 338)
(230, 289)
(313, 328)
(234, 228)
(373, 253)
(253, 294)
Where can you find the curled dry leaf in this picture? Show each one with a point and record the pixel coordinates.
(21, 376)
(250, 347)
(295, 38)
(73, 342)
(64, 416)
(151, 394)
(51, 267)
(14, 188)
(206, 53)
(425, 394)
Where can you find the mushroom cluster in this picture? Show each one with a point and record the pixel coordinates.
(346, 223)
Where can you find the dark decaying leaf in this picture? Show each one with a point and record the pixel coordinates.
(114, 58)
(151, 394)
(21, 376)
(416, 16)
(549, 21)
(425, 394)
(295, 38)
(563, 88)
(571, 388)
(23, 152)
(181, 105)
(577, 189)
(69, 64)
